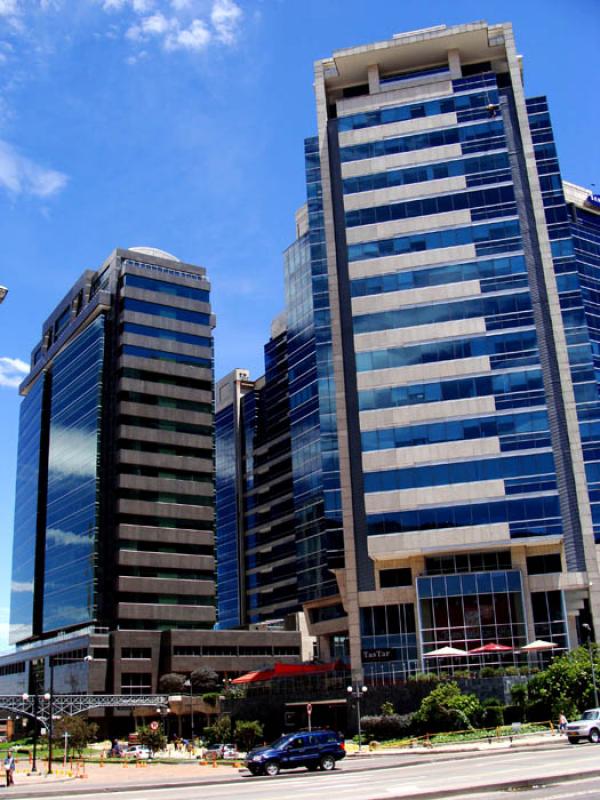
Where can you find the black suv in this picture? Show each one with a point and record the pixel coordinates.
(311, 749)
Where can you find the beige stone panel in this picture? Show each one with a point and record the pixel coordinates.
(409, 191)
(443, 540)
(375, 133)
(376, 460)
(398, 337)
(367, 166)
(398, 227)
(427, 373)
(426, 412)
(411, 297)
(393, 97)
(424, 258)
(410, 499)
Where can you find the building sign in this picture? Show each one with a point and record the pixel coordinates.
(378, 654)
(593, 200)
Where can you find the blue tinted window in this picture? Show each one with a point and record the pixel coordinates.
(445, 105)
(162, 333)
(459, 472)
(162, 355)
(419, 141)
(26, 501)
(166, 311)
(527, 381)
(166, 287)
(428, 172)
(451, 237)
(440, 204)
(73, 481)
(443, 312)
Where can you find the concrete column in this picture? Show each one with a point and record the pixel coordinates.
(454, 64)
(373, 73)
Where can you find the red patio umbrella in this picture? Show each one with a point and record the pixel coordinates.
(492, 647)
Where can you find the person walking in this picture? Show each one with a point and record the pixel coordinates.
(9, 768)
(562, 723)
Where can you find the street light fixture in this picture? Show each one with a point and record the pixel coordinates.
(49, 697)
(356, 692)
(188, 683)
(35, 731)
(587, 628)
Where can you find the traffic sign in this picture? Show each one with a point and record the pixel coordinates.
(154, 725)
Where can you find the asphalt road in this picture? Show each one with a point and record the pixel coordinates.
(549, 768)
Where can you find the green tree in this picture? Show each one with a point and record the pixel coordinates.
(171, 683)
(387, 709)
(81, 732)
(247, 733)
(565, 685)
(154, 740)
(204, 680)
(219, 731)
(446, 708)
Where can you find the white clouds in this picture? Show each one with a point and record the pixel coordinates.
(56, 536)
(177, 25)
(12, 371)
(21, 175)
(226, 17)
(9, 8)
(195, 37)
(21, 586)
(156, 25)
(72, 452)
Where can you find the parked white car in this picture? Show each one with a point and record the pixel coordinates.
(588, 727)
(137, 751)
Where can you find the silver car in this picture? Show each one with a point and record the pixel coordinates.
(588, 727)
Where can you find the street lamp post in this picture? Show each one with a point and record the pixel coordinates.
(35, 731)
(589, 644)
(356, 692)
(186, 684)
(49, 697)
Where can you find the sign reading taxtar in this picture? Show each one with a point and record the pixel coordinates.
(378, 654)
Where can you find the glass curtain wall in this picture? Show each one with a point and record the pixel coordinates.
(73, 481)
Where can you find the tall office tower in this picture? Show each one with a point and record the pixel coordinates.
(256, 543)
(454, 297)
(114, 505)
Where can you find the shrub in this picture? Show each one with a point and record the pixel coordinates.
(492, 716)
(447, 709)
(490, 672)
(154, 740)
(513, 714)
(219, 731)
(246, 734)
(512, 670)
(387, 709)
(386, 726)
(210, 698)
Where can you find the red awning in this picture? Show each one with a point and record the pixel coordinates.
(287, 671)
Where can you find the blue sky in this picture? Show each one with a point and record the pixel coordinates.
(179, 124)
